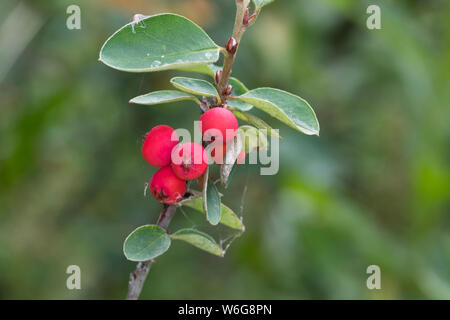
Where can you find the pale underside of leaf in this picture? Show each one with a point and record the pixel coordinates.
(200, 240)
(146, 243)
(159, 42)
(163, 96)
(284, 106)
(233, 149)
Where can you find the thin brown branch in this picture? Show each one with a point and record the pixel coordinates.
(138, 276)
(238, 31)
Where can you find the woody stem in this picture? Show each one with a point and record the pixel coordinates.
(238, 31)
(138, 276)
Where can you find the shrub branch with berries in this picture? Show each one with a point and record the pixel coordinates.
(172, 42)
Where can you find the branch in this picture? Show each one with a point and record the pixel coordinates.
(138, 276)
(238, 31)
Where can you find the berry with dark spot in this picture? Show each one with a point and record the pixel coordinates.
(218, 124)
(189, 160)
(167, 187)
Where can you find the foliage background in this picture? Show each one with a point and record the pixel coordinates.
(373, 189)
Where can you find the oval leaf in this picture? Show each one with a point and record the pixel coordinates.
(211, 202)
(200, 240)
(146, 243)
(257, 122)
(195, 86)
(227, 218)
(286, 107)
(238, 87)
(163, 96)
(230, 219)
(159, 42)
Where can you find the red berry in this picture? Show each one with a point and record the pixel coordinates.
(158, 145)
(167, 187)
(219, 123)
(189, 160)
(241, 158)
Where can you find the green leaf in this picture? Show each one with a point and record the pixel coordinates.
(286, 107)
(207, 69)
(214, 68)
(163, 96)
(159, 42)
(200, 240)
(253, 139)
(195, 86)
(146, 243)
(238, 89)
(261, 3)
(228, 217)
(257, 122)
(211, 201)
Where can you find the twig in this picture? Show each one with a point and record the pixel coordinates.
(238, 31)
(138, 276)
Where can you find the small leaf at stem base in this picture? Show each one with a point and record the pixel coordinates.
(146, 243)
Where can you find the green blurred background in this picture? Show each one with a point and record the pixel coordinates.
(373, 189)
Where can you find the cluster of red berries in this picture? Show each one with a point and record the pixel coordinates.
(186, 161)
